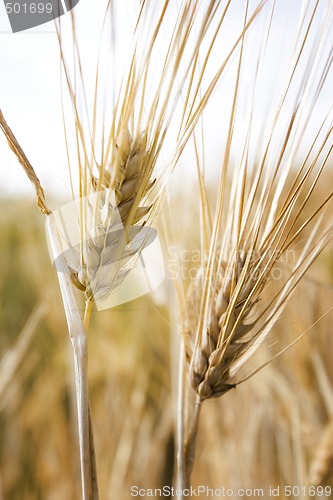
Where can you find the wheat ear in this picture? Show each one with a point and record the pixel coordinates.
(225, 339)
(262, 210)
(118, 203)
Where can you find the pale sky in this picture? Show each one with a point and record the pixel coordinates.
(30, 87)
(31, 100)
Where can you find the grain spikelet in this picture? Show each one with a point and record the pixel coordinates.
(116, 231)
(225, 338)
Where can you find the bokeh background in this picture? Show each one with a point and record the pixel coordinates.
(275, 429)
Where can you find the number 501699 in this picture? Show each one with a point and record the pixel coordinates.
(25, 8)
(311, 491)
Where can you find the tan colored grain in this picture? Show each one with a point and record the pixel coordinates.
(121, 189)
(228, 331)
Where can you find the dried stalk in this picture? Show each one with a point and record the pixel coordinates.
(181, 459)
(78, 339)
(24, 162)
(186, 439)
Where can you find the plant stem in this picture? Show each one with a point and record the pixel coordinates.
(190, 445)
(186, 438)
(86, 320)
(77, 333)
(181, 467)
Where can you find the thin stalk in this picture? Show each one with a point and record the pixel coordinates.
(181, 466)
(191, 443)
(25, 163)
(87, 314)
(186, 438)
(78, 339)
(92, 456)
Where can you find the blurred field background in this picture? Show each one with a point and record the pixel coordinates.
(275, 429)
